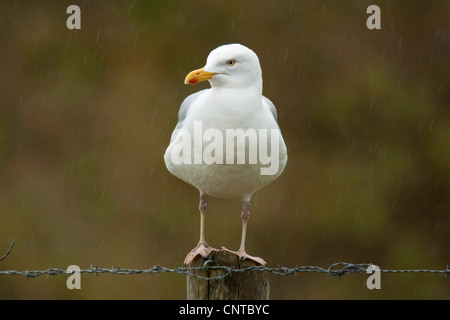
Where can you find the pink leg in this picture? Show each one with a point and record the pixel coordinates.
(245, 215)
(202, 247)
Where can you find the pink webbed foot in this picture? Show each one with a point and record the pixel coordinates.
(201, 249)
(243, 255)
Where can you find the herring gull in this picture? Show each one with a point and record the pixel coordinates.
(227, 142)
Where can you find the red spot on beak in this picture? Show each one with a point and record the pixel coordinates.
(193, 81)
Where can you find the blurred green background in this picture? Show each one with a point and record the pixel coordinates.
(86, 115)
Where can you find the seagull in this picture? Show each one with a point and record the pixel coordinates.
(234, 102)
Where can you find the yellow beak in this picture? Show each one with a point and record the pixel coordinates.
(198, 76)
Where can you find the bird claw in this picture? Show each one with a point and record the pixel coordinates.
(243, 255)
(201, 249)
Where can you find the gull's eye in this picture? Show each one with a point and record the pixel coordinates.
(231, 62)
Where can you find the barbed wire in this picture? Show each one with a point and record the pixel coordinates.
(9, 249)
(336, 269)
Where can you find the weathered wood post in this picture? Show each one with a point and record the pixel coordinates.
(248, 285)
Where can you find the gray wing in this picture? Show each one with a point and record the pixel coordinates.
(184, 109)
(268, 104)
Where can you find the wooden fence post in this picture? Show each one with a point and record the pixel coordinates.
(248, 285)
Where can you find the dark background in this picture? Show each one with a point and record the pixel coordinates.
(86, 115)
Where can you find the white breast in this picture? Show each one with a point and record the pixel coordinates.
(221, 110)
